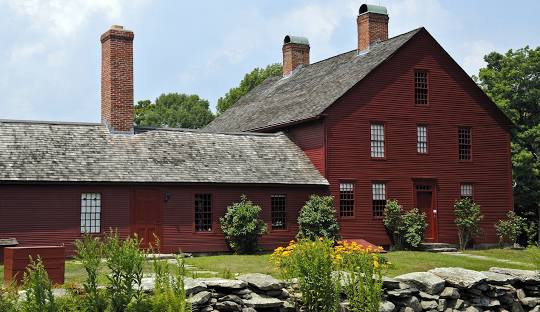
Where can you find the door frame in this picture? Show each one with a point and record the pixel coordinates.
(434, 206)
(161, 211)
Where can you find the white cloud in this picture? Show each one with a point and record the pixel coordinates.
(474, 55)
(406, 15)
(51, 21)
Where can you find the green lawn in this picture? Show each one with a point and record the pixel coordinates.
(402, 262)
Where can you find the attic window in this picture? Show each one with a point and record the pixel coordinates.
(464, 142)
(420, 88)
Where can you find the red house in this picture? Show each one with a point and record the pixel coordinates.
(392, 119)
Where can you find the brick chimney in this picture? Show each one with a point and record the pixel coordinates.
(372, 24)
(117, 79)
(295, 53)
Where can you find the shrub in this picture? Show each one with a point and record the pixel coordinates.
(89, 252)
(412, 228)
(531, 230)
(392, 219)
(318, 219)
(362, 269)
(510, 228)
(406, 230)
(467, 220)
(125, 261)
(8, 299)
(39, 296)
(242, 226)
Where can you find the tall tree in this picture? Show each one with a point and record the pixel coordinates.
(174, 110)
(512, 80)
(250, 81)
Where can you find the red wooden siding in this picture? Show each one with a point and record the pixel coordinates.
(50, 214)
(387, 96)
(310, 137)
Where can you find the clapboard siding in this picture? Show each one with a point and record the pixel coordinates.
(310, 137)
(387, 95)
(50, 214)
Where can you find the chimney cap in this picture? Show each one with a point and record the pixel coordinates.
(117, 27)
(371, 8)
(296, 40)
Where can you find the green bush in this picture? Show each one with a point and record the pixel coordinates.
(406, 229)
(392, 220)
(312, 263)
(511, 228)
(89, 252)
(242, 226)
(125, 261)
(318, 219)
(413, 227)
(467, 220)
(38, 287)
(8, 299)
(531, 230)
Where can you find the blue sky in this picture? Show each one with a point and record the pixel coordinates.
(50, 52)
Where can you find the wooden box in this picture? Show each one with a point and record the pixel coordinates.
(17, 258)
(6, 242)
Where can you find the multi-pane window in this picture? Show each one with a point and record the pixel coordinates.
(203, 212)
(421, 139)
(420, 88)
(346, 199)
(466, 191)
(464, 140)
(379, 199)
(377, 140)
(90, 213)
(279, 212)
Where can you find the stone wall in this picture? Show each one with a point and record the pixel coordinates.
(442, 289)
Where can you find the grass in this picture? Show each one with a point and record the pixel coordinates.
(402, 262)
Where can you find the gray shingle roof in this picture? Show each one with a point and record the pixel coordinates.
(71, 152)
(307, 92)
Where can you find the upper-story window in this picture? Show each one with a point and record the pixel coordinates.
(90, 213)
(203, 212)
(421, 139)
(379, 198)
(464, 141)
(466, 191)
(377, 140)
(346, 199)
(279, 212)
(420, 87)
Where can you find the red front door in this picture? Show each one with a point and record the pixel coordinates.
(425, 202)
(147, 216)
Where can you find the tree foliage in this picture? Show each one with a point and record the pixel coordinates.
(174, 110)
(250, 81)
(512, 80)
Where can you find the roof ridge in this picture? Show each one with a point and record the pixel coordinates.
(50, 122)
(202, 130)
(343, 53)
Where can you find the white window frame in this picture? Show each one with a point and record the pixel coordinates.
(91, 213)
(421, 139)
(378, 191)
(466, 190)
(377, 140)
